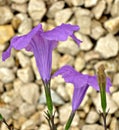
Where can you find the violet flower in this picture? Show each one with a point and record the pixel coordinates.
(81, 83)
(42, 44)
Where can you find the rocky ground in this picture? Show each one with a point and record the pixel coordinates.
(22, 97)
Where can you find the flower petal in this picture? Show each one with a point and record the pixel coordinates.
(78, 96)
(61, 33)
(93, 81)
(20, 42)
(42, 50)
(72, 76)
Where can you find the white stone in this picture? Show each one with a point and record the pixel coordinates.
(79, 63)
(86, 44)
(90, 3)
(25, 26)
(85, 26)
(6, 75)
(115, 97)
(26, 109)
(66, 59)
(19, 1)
(36, 9)
(55, 7)
(112, 25)
(96, 30)
(92, 127)
(25, 74)
(99, 9)
(5, 15)
(23, 60)
(116, 79)
(63, 16)
(92, 117)
(35, 68)
(69, 47)
(107, 46)
(115, 8)
(55, 60)
(64, 112)
(8, 62)
(30, 93)
(19, 7)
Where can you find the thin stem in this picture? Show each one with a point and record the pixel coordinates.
(71, 117)
(48, 98)
(104, 119)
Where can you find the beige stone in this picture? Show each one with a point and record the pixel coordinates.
(6, 33)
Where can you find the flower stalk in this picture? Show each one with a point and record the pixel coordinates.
(48, 97)
(102, 85)
(71, 117)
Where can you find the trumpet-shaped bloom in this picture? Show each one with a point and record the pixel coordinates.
(41, 44)
(81, 83)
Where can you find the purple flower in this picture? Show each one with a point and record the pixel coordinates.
(41, 44)
(81, 83)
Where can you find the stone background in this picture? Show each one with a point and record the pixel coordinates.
(21, 91)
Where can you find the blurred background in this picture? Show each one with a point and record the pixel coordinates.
(22, 101)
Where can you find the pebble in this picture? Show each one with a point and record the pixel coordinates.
(92, 117)
(75, 2)
(6, 75)
(116, 79)
(25, 26)
(16, 22)
(35, 69)
(91, 55)
(19, 7)
(66, 59)
(9, 63)
(114, 124)
(25, 74)
(26, 109)
(44, 127)
(85, 26)
(6, 32)
(96, 30)
(106, 50)
(90, 3)
(5, 15)
(63, 47)
(115, 97)
(111, 105)
(63, 16)
(55, 60)
(61, 90)
(92, 127)
(64, 111)
(108, 120)
(79, 63)
(23, 59)
(19, 1)
(86, 44)
(6, 111)
(30, 93)
(112, 25)
(99, 9)
(57, 100)
(36, 9)
(115, 7)
(55, 7)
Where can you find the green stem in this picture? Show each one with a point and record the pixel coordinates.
(103, 100)
(71, 117)
(48, 98)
